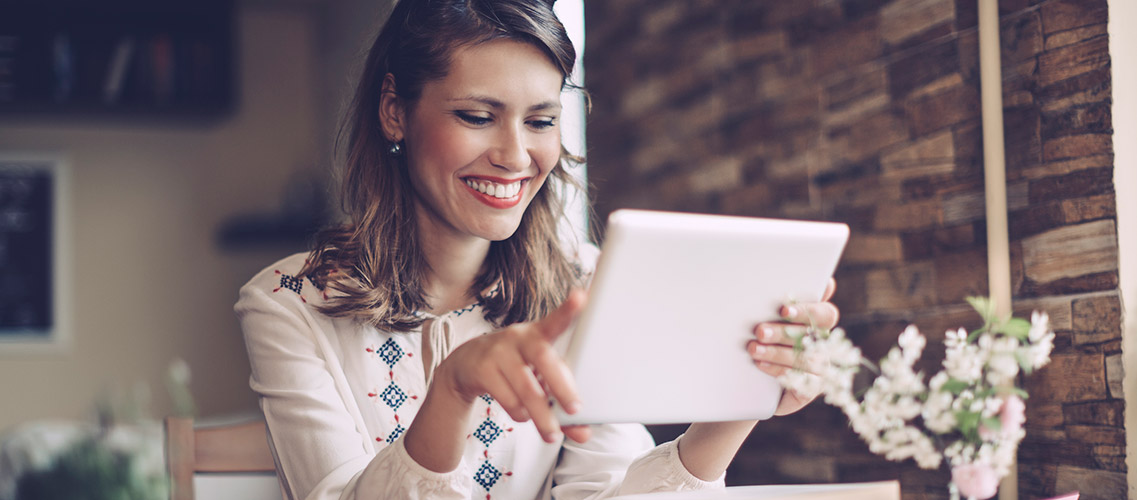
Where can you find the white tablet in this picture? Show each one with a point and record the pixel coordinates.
(672, 304)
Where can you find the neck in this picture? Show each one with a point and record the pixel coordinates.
(454, 261)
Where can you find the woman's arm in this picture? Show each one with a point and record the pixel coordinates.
(318, 437)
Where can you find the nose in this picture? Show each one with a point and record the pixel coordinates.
(511, 152)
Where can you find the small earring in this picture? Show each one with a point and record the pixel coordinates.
(396, 148)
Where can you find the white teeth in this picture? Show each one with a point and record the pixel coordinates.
(496, 190)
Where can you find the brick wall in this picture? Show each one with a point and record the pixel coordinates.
(867, 112)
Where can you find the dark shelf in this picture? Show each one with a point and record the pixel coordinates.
(121, 58)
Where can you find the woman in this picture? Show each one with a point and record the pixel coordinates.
(406, 356)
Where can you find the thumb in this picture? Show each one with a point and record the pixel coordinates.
(553, 325)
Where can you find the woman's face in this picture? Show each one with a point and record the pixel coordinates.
(481, 141)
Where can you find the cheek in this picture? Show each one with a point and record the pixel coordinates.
(439, 151)
(548, 153)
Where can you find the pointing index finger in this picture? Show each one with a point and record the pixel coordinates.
(553, 325)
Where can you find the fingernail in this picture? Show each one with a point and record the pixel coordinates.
(572, 407)
(555, 436)
(767, 333)
(789, 311)
(759, 349)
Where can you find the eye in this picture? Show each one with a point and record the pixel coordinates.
(472, 119)
(542, 124)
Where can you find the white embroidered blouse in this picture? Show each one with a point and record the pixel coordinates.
(338, 394)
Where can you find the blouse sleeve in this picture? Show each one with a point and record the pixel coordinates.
(320, 444)
(620, 460)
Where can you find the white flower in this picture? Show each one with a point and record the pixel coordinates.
(963, 361)
(937, 413)
(1002, 366)
(1041, 340)
(912, 342)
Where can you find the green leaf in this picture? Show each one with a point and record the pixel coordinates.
(1018, 391)
(983, 306)
(955, 386)
(975, 334)
(968, 423)
(1018, 328)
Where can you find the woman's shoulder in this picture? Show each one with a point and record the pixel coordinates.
(283, 279)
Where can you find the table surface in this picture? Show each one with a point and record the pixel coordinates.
(882, 490)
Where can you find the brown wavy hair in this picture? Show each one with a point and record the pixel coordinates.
(373, 265)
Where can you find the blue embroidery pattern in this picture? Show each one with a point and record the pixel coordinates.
(398, 431)
(393, 396)
(487, 433)
(390, 353)
(290, 282)
(487, 476)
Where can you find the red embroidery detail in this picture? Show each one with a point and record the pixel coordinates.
(510, 473)
(414, 397)
(411, 354)
(380, 439)
(396, 418)
(486, 454)
(369, 349)
(371, 394)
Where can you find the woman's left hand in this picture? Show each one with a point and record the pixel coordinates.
(773, 348)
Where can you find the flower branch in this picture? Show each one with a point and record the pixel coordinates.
(970, 414)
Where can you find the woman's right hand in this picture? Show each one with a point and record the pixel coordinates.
(519, 368)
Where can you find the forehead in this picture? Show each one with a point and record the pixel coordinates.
(514, 72)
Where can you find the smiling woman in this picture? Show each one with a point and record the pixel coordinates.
(409, 355)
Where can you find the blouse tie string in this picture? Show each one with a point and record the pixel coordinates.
(440, 336)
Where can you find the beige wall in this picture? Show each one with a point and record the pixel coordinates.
(149, 281)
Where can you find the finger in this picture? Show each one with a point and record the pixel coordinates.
(578, 433)
(553, 372)
(502, 391)
(829, 289)
(772, 353)
(533, 398)
(772, 369)
(553, 325)
(819, 314)
(779, 333)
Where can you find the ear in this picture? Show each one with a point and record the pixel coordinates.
(392, 111)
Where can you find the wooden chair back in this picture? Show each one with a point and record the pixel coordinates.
(232, 448)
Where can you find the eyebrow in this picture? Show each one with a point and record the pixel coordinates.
(497, 104)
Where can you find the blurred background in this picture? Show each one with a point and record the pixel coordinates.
(195, 144)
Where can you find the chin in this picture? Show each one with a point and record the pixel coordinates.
(500, 232)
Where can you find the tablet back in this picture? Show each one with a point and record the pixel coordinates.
(675, 299)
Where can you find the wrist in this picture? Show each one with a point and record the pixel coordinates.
(437, 436)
